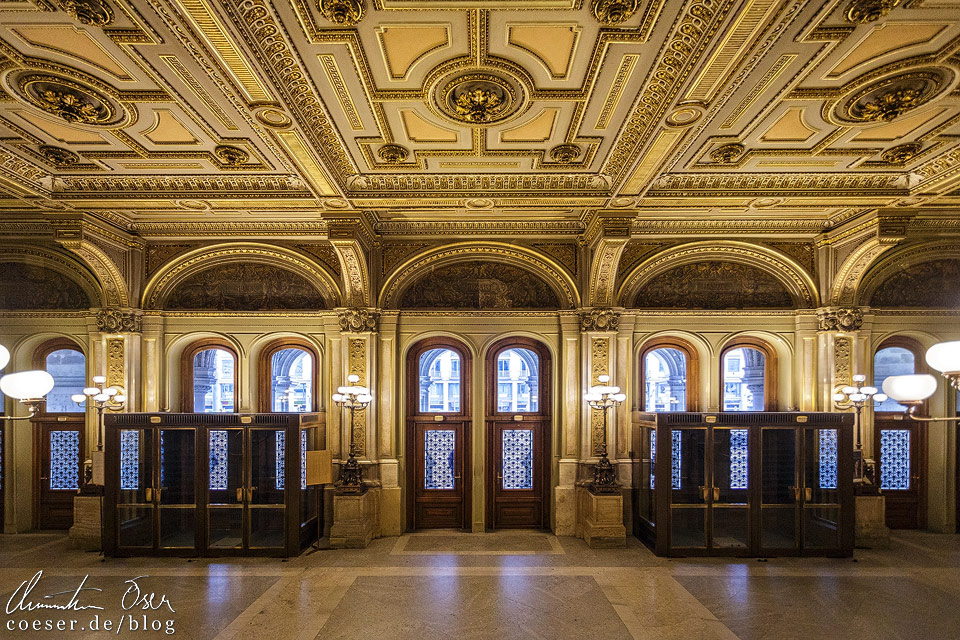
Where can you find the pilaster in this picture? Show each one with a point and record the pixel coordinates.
(564, 493)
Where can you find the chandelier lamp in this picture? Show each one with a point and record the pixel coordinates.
(28, 387)
(912, 390)
(104, 399)
(603, 397)
(354, 398)
(857, 396)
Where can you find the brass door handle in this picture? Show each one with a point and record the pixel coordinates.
(808, 494)
(148, 494)
(250, 494)
(796, 493)
(703, 493)
(716, 494)
(239, 494)
(457, 477)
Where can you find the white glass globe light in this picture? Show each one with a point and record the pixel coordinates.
(839, 397)
(27, 385)
(603, 379)
(353, 378)
(4, 356)
(79, 398)
(911, 388)
(99, 379)
(944, 357)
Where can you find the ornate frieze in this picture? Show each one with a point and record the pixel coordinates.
(357, 319)
(393, 153)
(613, 12)
(479, 285)
(565, 153)
(864, 11)
(886, 99)
(599, 320)
(600, 365)
(840, 319)
(343, 12)
(28, 286)
(231, 156)
(245, 286)
(933, 284)
(357, 364)
(902, 154)
(728, 153)
(478, 98)
(714, 284)
(58, 156)
(119, 320)
(69, 99)
(841, 361)
(115, 362)
(96, 13)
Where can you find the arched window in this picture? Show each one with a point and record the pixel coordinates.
(666, 366)
(209, 375)
(439, 381)
(66, 363)
(518, 381)
(747, 372)
(895, 357)
(288, 377)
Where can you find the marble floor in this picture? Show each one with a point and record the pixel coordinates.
(500, 585)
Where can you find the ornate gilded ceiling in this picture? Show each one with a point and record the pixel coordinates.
(147, 113)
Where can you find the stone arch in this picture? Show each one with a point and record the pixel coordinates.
(552, 274)
(171, 275)
(784, 270)
(67, 271)
(925, 286)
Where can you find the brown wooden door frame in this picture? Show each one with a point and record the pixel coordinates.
(415, 418)
(43, 498)
(918, 468)
(541, 423)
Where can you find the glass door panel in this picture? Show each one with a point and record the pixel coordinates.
(225, 497)
(728, 491)
(779, 488)
(820, 494)
(266, 491)
(135, 510)
(688, 480)
(177, 495)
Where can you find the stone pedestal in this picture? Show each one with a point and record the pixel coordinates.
(871, 527)
(85, 532)
(600, 521)
(356, 519)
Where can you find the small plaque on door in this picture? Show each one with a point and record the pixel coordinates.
(518, 418)
(438, 418)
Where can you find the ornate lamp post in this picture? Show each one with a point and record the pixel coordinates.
(857, 397)
(912, 390)
(104, 399)
(29, 387)
(353, 397)
(603, 397)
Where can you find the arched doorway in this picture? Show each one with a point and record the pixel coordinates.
(519, 429)
(438, 434)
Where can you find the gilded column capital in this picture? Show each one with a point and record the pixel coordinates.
(847, 319)
(358, 319)
(114, 320)
(599, 319)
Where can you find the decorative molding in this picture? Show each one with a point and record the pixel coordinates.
(901, 154)
(884, 100)
(841, 361)
(231, 156)
(478, 284)
(846, 319)
(96, 13)
(864, 11)
(599, 319)
(357, 364)
(600, 365)
(613, 12)
(69, 99)
(565, 153)
(345, 13)
(182, 186)
(393, 153)
(58, 156)
(728, 153)
(356, 320)
(119, 320)
(115, 362)
(687, 185)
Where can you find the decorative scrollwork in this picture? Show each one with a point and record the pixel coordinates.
(231, 156)
(74, 102)
(727, 153)
(96, 13)
(343, 12)
(840, 319)
(393, 153)
(357, 319)
(119, 321)
(891, 97)
(902, 154)
(479, 98)
(478, 105)
(891, 104)
(864, 11)
(565, 153)
(613, 12)
(58, 156)
(599, 320)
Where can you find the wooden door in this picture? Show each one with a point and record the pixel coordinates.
(438, 435)
(898, 449)
(518, 430)
(58, 469)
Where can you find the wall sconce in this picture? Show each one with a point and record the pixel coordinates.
(104, 399)
(29, 387)
(912, 390)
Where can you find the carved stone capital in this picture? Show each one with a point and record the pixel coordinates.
(357, 319)
(599, 320)
(839, 319)
(119, 320)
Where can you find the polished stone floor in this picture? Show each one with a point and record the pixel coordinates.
(500, 585)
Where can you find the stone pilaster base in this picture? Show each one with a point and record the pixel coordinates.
(85, 532)
(565, 511)
(390, 511)
(356, 519)
(871, 528)
(600, 519)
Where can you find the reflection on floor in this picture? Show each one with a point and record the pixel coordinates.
(499, 585)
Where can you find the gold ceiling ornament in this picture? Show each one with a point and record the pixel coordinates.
(274, 118)
(902, 154)
(74, 102)
(891, 97)
(393, 153)
(613, 12)
(728, 153)
(864, 11)
(565, 153)
(96, 13)
(478, 98)
(343, 12)
(58, 156)
(231, 156)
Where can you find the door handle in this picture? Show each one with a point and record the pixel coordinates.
(716, 494)
(796, 493)
(457, 477)
(148, 494)
(808, 494)
(250, 494)
(239, 494)
(703, 493)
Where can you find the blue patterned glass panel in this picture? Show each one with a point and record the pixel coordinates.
(653, 458)
(218, 460)
(281, 457)
(738, 458)
(894, 459)
(676, 440)
(439, 448)
(828, 458)
(64, 460)
(129, 459)
(517, 459)
(303, 459)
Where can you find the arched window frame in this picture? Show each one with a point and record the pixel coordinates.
(769, 369)
(692, 370)
(919, 362)
(466, 374)
(543, 372)
(186, 370)
(40, 362)
(265, 371)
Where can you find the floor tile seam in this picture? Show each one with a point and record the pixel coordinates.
(236, 627)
